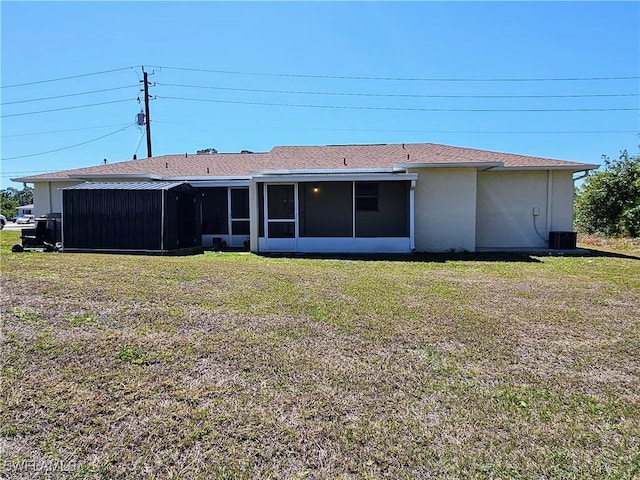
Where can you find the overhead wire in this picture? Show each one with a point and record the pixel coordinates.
(142, 135)
(404, 109)
(326, 93)
(524, 132)
(62, 131)
(401, 95)
(68, 78)
(67, 95)
(65, 108)
(70, 146)
(412, 79)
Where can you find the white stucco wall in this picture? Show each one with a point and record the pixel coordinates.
(47, 198)
(506, 202)
(445, 209)
(562, 201)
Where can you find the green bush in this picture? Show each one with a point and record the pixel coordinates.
(608, 202)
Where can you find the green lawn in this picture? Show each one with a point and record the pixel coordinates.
(240, 366)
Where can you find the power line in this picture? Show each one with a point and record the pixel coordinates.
(67, 78)
(407, 109)
(302, 92)
(70, 146)
(409, 79)
(65, 108)
(68, 95)
(135, 152)
(63, 131)
(562, 132)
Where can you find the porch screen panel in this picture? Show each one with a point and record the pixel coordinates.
(214, 211)
(282, 230)
(281, 212)
(240, 211)
(326, 209)
(390, 217)
(281, 202)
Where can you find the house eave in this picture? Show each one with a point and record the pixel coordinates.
(220, 182)
(570, 168)
(39, 179)
(336, 177)
(209, 178)
(478, 165)
(318, 171)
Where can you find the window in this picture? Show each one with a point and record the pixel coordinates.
(366, 197)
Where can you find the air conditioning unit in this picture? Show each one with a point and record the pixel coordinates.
(562, 240)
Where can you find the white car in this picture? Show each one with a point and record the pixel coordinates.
(26, 218)
(3, 221)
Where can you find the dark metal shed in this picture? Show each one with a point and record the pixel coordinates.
(158, 218)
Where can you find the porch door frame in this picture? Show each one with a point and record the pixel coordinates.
(281, 244)
(238, 239)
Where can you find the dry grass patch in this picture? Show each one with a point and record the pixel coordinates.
(238, 366)
(614, 244)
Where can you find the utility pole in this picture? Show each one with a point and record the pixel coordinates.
(146, 110)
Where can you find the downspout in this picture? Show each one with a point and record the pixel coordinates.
(584, 175)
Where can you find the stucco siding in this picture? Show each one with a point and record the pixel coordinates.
(47, 198)
(562, 201)
(445, 209)
(505, 209)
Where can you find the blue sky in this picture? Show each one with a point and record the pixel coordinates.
(396, 49)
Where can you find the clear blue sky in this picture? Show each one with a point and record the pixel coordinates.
(414, 40)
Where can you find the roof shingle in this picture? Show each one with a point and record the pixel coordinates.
(304, 157)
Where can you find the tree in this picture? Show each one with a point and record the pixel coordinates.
(608, 202)
(206, 151)
(11, 198)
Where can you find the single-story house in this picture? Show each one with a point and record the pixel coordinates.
(25, 209)
(356, 198)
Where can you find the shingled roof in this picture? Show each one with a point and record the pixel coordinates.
(328, 157)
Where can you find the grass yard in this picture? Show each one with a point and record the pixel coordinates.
(240, 366)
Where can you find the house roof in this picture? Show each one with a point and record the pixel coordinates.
(328, 157)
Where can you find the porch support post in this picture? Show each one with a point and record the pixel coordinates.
(412, 215)
(254, 216)
(353, 209)
(549, 200)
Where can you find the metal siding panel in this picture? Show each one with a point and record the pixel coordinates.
(127, 219)
(169, 220)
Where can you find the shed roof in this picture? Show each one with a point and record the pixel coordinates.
(327, 157)
(124, 186)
